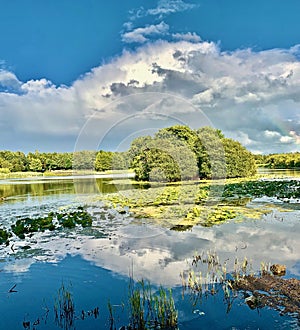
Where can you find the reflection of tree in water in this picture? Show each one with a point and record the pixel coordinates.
(36, 189)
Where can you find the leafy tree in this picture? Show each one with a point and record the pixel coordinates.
(211, 154)
(178, 153)
(84, 160)
(165, 158)
(103, 160)
(35, 165)
(282, 161)
(239, 161)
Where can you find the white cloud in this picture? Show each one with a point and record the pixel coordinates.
(192, 37)
(271, 134)
(163, 8)
(166, 7)
(9, 82)
(140, 34)
(246, 93)
(286, 139)
(295, 136)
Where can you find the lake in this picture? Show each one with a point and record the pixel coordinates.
(95, 263)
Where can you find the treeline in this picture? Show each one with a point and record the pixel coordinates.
(279, 161)
(172, 154)
(40, 162)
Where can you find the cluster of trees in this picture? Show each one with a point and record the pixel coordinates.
(11, 161)
(288, 160)
(179, 153)
(172, 154)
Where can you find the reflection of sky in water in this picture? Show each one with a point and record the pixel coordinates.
(93, 286)
(156, 253)
(159, 254)
(120, 245)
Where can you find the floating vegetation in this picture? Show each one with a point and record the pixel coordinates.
(4, 236)
(52, 221)
(151, 310)
(204, 203)
(280, 189)
(208, 218)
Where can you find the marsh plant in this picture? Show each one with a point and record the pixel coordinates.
(263, 288)
(151, 309)
(64, 308)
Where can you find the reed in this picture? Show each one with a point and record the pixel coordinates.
(64, 308)
(151, 309)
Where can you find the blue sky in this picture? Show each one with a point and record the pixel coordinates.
(94, 74)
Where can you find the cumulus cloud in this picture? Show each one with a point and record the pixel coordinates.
(9, 83)
(141, 34)
(249, 95)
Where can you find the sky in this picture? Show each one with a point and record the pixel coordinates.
(93, 74)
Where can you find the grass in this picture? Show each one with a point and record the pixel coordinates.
(149, 309)
(64, 308)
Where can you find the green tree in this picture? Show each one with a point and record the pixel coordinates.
(103, 160)
(84, 160)
(35, 165)
(239, 161)
(165, 159)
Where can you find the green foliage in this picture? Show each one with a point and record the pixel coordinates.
(52, 221)
(282, 189)
(211, 218)
(211, 153)
(239, 161)
(35, 165)
(163, 158)
(31, 225)
(84, 160)
(282, 161)
(14, 161)
(180, 153)
(104, 161)
(151, 310)
(4, 236)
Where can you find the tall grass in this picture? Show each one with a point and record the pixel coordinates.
(64, 309)
(151, 309)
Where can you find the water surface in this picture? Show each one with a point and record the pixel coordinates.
(96, 261)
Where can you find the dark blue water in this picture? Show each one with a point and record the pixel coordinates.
(93, 286)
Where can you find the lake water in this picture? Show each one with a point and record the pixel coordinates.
(95, 263)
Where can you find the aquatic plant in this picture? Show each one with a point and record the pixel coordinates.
(263, 288)
(52, 221)
(151, 310)
(64, 308)
(207, 203)
(4, 236)
(280, 189)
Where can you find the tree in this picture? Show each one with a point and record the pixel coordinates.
(239, 161)
(165, 159)
(103, 160)
(210, 153)
(180, 153)
(35, 165)
(84, 160)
